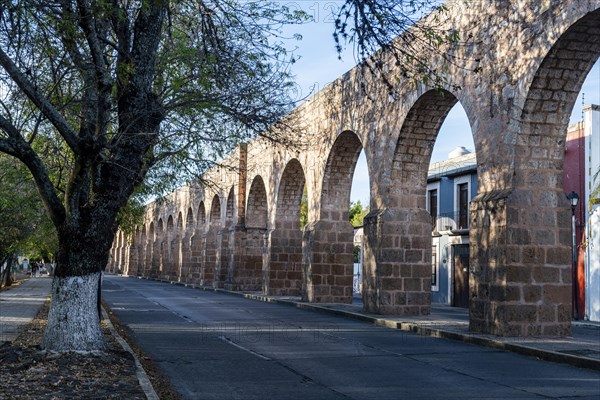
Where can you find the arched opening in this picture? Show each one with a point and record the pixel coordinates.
(198, 246)
(283, 273)
(179, 248)
(133, 256)
(249, 277)
(159, 248)
(329, 242)
(142, 251)
(360, 199)
(213, 245)
(187, 246)
(451, 185)
(119, 253)
(169, 250)
(226, 267)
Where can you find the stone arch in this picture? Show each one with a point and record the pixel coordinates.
(399, 237)
(523, 268)
(177, 245)
(414, 146)
(337, 180)
(151, 254)
(198, 246)
(213, 243)
(159, 249)
(283, 273)
(227, 243)
(114, 253)
(215, 210)
(187, 246)
(250, 274)
(131, 255)
(122, 253)
(328, 242)
(169, 250)
(201, 217)
(257, 215)
(142, 251)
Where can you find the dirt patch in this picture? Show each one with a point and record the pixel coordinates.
(28, 372)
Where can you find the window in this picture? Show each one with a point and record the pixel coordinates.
(432, 200)
(433, 205)
(463, 205)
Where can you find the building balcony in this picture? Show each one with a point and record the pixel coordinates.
(455, 222)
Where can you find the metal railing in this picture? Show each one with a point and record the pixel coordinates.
(452, 221)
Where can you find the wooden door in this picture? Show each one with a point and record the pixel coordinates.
(461, 275)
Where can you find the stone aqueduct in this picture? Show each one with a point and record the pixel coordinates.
(242, 233)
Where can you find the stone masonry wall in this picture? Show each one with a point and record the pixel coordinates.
(516, 71)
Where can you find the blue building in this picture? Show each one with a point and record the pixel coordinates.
(451, 184)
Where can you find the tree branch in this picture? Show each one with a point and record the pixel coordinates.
(17, 147)
(59, 122)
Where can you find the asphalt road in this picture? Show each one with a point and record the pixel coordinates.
(219, 346)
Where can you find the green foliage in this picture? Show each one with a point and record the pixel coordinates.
(24, 225)
(131, 216)
(356, 254)
(304, 209)
(357, 213)
(395, 28)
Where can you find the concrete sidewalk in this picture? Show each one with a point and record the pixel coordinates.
(581, 349)
(19, 304)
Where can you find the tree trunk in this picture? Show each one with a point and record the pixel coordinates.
(73, 323)
(7, 275)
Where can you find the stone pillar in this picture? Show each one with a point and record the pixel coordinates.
(520, 278)
(196, 258)
(171, 271)
(235, 256)
(245, 259)
(118, 255)
(178, 258)
(211, 257)
(142, 255)
(149, 258)
(222, 267)
(397, 262)
(249, 276)
(283, 277)
(328, 255)
(111, 260)
(156, 258)
(131, 263)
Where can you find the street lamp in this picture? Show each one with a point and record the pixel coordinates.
(574, 199)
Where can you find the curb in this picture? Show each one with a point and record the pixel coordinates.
(143, 379)
(546, 355)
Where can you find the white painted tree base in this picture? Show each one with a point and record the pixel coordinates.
(73, 323)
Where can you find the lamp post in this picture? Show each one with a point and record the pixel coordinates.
(574, 199)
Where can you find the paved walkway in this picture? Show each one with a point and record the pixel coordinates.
(19, 304)
(581, 349)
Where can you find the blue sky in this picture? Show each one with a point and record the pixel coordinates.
(319, 65)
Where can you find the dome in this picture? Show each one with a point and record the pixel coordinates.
(457, 152)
